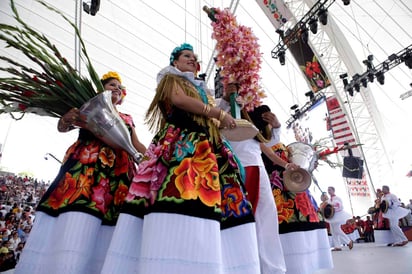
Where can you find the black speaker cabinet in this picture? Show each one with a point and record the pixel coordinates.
(353, 167)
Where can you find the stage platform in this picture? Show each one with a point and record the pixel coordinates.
(371, 258)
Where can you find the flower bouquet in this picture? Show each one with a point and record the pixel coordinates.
(238, 56)
(55, 86)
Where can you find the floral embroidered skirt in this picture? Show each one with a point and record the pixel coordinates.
(76, 216)
(186, 211)
(303, 232)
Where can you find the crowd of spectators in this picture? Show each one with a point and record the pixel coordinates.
(18, 198)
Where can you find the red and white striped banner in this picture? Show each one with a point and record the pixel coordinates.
(338, 123)
(342, 133)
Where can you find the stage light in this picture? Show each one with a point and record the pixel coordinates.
(346, 2)
(313, 25)
(364, 82)
(323, 16)
(280, 32)
(357, 86)
(368, 62)
(310, 94)
(392, 57)
(344, 79)
(356, 78)
(296, 109)
(408, 61)
(304, 35)
(350, 91)
(91, 7)
(281, 56)
(380, 77)
(371, 76)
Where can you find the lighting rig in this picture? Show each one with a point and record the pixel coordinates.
(314, 99)
(376, 72)
(318, 12)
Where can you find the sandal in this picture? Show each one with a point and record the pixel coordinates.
(350, 245)
(401, 243)
(337, 249)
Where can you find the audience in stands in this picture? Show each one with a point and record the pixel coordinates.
(18, 198)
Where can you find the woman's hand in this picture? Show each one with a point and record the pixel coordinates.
(70, 120)
(271, 119)
(226, 120)
(291, 166)
(240, 102)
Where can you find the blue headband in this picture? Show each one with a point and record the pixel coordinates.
(184, 46)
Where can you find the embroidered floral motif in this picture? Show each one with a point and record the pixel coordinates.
(292, 207)
(197, 177)
(94, 179)
(101, 195)
(233, 202)
(284, 206)
(65, 189)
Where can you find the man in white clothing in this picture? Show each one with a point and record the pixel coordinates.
(260, 195)
(394, 213)
(339, 217)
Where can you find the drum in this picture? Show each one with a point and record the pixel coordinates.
(372, 210)
(384, 206)
(244, 130)
(303, 155)
(328, 211)
(297, 180)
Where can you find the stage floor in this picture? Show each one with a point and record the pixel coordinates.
(371, 258)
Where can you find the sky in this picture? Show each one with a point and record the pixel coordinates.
(135, 38)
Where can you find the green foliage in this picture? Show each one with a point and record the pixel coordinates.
(52, 89)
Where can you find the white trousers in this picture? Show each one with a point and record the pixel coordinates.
(267, 228)
(338, 236)
(397, 232)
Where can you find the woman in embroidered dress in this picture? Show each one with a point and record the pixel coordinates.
(302, 229)
(76, 216)
(186, 210)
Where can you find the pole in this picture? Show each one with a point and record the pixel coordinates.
(77, 46)
(54, 157)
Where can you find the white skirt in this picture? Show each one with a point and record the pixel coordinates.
(396, 213)
(72, 243)
(178, 244)
(340, 217)
(306, 251)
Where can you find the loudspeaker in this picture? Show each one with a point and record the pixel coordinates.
(352, 167)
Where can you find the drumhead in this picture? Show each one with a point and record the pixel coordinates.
(297, 180)
(372, 210)
(384, 206)
(328, 211)
(244, 130)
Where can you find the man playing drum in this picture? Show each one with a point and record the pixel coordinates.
(394, 213)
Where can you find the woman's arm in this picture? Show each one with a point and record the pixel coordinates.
(276, 159)
(136, 143)
(71, 120)
(190, 104)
